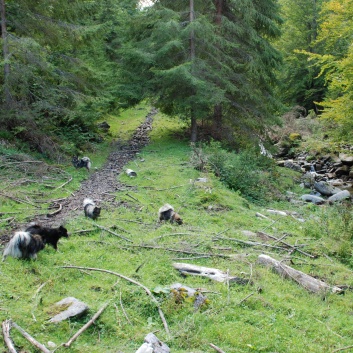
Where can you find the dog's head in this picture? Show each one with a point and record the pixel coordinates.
(63, 232)
(96, 212)
(176, 218)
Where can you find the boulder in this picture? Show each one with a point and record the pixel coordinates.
(325, 188)
(342, 195)
(312, 198)
(71, 307)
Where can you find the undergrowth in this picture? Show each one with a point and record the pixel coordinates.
(270, 314)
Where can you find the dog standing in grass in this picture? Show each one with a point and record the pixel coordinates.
(49, 235)
(90, 209)
(83, 162)
(167, 213)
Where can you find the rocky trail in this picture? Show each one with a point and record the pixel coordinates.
(100, 186)
(102, 183)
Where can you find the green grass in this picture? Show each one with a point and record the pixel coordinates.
(277, 316)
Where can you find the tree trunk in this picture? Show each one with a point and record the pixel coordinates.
(310, 283)
(217, 112)
(192, 59)
(5, 52)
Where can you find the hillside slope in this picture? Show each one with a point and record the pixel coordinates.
(221, 230)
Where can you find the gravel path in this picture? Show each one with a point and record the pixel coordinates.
(103, 183)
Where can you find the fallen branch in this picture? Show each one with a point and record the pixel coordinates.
(111, 232)
(250, 243)
(31, 339)
(243, 300)
(86, 326)
(169, 235)
(56, 211)
(59, 187)
(18, 200)
(287, 244)
(217, 349)
(6, 327)
(342, 349)
(132, 281)
(310, 283)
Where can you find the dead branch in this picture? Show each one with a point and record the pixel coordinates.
(111, 232)
(243, 300)
(6, 327)
(86, 326)
(179, 251)
(217, 349)
(122, 308)
(18, 200)
(169, 235)
(250, 243)
(342, 349)
(161, 314)
(127, 194)
(56, 211)
(279, 240)
(310, 283)
(62, 185)
(34, 342)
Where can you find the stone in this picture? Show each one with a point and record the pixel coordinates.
(325, 188)
(73, 307)
(312, 198)
(342, 195)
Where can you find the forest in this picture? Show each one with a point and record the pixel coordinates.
(228, 68)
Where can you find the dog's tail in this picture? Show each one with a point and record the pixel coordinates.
(87, 201)
(16, 243)
(87, 161)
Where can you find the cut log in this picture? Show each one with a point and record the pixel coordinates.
(212, 273)
(310, 283)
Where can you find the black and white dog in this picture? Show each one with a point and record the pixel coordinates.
(49, 235)
(23, 245)
(90, 209)
(83, 162)
(167, 213)
(26, 244)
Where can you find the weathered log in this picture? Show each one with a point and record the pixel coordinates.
(31, 339)
(310, 283)
(6, 327)
(212, 273)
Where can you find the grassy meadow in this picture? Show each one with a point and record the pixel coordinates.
(271, 314)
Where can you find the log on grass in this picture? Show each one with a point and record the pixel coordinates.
(310, 283)
(212, 273)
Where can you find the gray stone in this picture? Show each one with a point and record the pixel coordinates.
(342, 195)
(325, 188)
(72, 306)
(312, 198)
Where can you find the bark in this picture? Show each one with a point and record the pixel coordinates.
(310, 283)
(5, 53)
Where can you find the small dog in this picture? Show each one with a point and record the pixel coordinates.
(23, 245)
(49, 235)
(90, 208)
(166, 213)
(84, 162)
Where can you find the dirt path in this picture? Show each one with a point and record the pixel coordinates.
(103, 183)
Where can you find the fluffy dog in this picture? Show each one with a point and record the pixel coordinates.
(49, 235)
(167, 213)
(90, 208)
(23, 245)
(83, 162)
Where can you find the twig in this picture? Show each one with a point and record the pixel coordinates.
(132, 281)
(243, 300)
(127, 194)
(122, 308)
(59, 187)
(6, 327)
(86, 326)
(55, 212)
(342, 349)
(169, 235)
(31, 339)
(217, 349)
(111, 232)
(179, 251)
(250, 243)
(18, 200)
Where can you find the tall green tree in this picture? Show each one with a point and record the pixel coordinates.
(220, 57)
(299, 81)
